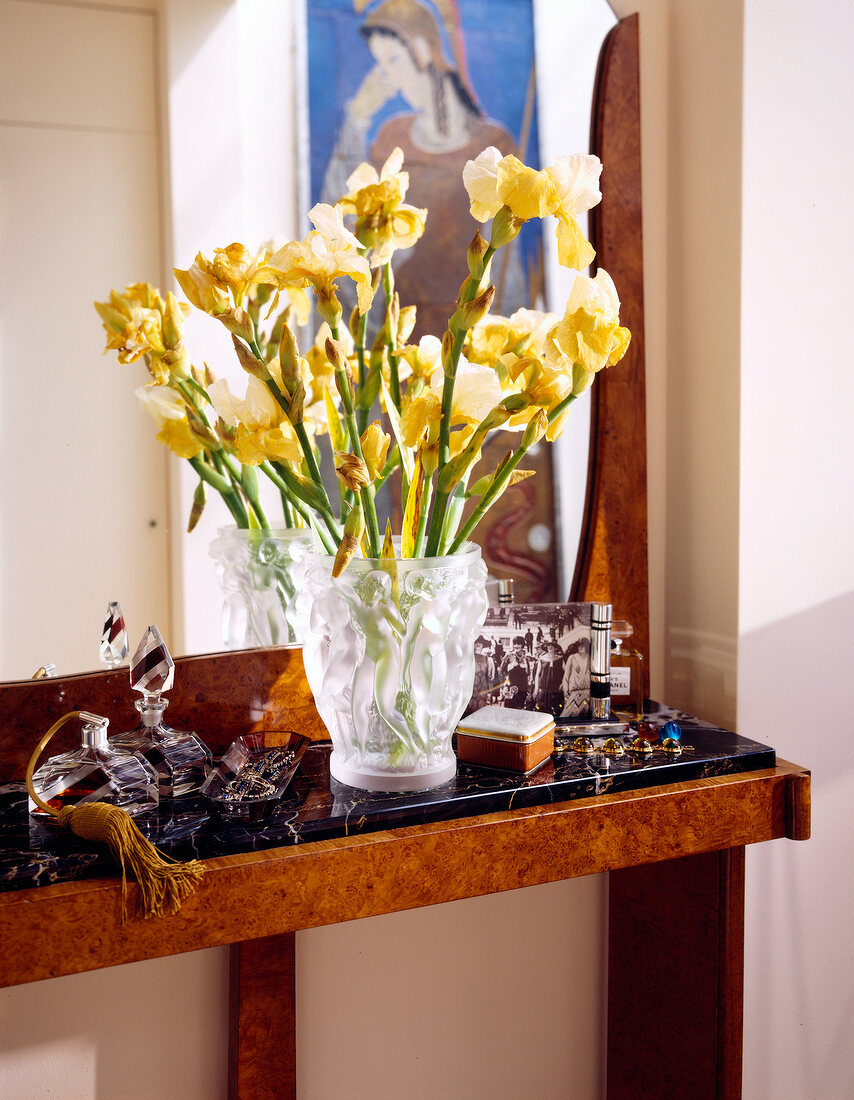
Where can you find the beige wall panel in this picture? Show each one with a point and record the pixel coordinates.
(67, 65)
(83, 500)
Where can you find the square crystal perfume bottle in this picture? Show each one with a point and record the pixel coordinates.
(180, 758)
(97, 771)
(626, 673)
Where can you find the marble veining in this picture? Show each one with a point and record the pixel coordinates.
(316, 807)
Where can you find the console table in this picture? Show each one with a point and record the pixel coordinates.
(675, 853)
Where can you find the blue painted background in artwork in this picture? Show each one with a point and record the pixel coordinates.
(499, 42)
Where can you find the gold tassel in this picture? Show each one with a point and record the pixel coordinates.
(163, 883)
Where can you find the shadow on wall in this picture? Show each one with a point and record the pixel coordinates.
(796, 692)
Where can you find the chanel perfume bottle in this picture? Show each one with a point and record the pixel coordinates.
(626, 673)
(97, 771)
(180, 758)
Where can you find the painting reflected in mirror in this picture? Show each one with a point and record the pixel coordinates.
(100, 186)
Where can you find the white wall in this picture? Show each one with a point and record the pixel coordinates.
(796, 562)
(748, 173)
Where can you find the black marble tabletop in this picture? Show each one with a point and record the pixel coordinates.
(316, 807)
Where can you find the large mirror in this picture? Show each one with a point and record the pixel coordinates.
(132, 137)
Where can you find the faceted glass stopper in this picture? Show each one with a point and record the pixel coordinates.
(152, 669)
(114, 639)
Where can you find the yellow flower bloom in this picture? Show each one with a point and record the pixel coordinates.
(476, 391)
(214, 285)
(589, 336)
(420, 419)
(329, 222)
(311, 262)
(140, 323)
(375, 443)
(169, 412)
(425, 357)
(567, 188)
(259, 427)
(384, 223)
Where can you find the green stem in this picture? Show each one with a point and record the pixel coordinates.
(367, 493)
(437, 520)
(224, 487)
(364, 414)
(393, 358)
(497, 487)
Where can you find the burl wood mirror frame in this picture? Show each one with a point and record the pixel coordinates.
(612, 563)
(228, 694)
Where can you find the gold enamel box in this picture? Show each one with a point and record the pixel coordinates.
(503, 737)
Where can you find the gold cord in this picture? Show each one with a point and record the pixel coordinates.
(164, 883)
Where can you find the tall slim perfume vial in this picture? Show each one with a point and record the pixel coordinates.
(600, 661)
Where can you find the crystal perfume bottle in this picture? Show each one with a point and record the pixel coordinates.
(114, 637)
(97, 771)
(626, 673)
(180, 758)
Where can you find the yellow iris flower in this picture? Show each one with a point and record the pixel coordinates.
(260, 428)
(169, 412)
(139, 322)
(375, 443)
(384, 222)
(565, 189)
(313, 263)
(589, 337)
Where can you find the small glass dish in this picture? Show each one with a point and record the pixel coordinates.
(253, 774)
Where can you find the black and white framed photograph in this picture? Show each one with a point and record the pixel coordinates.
(535, 657)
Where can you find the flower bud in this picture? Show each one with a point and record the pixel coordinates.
(289, 358)
(447, 349)
(476, 252)
(173, 322)
(352, 470)
(505, 227)
(238, 322)
(249, 361)
(406, 323)
(354, 528)
(392, 318)
(472, 312)
(198, 506)
(535, 430)
(375, 443)
(297, 403)
(329, 307)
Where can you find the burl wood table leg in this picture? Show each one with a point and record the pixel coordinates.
(676, 978)
(262, 1017)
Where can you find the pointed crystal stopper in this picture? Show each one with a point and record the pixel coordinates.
(152, 669)
(114, 639)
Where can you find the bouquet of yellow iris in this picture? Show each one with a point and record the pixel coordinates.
(438, 400)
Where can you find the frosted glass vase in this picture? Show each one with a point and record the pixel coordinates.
(388, 650)
(257, 572)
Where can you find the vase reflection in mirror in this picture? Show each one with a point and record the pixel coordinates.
(257, 573)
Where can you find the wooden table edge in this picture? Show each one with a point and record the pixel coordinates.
(72, 927)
